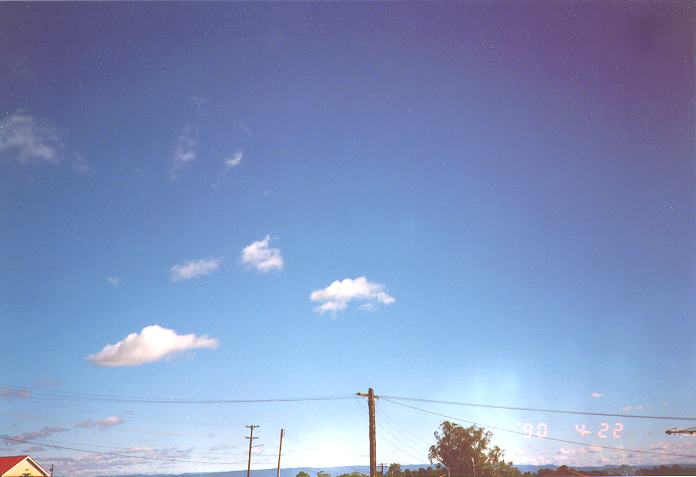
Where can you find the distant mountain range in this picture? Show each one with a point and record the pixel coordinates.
(365, 469)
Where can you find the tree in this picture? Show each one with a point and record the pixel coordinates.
(302, 473)
(394, 469)
(321, 473)
(465, 452)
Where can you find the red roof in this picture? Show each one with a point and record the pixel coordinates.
(7, 462)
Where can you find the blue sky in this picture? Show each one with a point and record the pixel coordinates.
(503, 195)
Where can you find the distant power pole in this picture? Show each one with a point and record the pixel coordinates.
(381, 468)
(251, 439)
(51, 470)
(373, 440)
(280, 450)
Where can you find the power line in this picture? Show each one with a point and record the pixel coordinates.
(393, 444)
(132, 449)
(398, 448)
(534, 409)
(81, 397)
(394, 433)
(401, 428)
(622, 449)
(400, 441)
(114, 454)
(136, 431)
(102, 411)
(56, 395)
(394, 436)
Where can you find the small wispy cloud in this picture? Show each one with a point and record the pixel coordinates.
(102, 423)
(152, 344)
(194, 269)
(241, 131)
(340, 293)
(33, 449)
(80, 165)
(185, 150)
(25, 139)
(223, 447)
(115, 281)
(29, 436)
(261, 256)
(198, 102)
(127, 461)
(235, 160)
(596, 395)
(13, 393)
(637, 407)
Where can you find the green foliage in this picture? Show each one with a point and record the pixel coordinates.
(302, 473)
(353, 474)
(394, 470)
(321, 473)
(437, 471)
(465, 452)
(565, 471)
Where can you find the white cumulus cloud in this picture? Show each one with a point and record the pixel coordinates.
(261, 256)
(115, 281)
(194, 269)
(26, 140)
(235, 160)
(596, 395)
(153, 343)
(340, 293)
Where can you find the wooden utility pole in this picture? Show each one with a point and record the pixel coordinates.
(251, 439)
(280, 451)
(373, 440)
